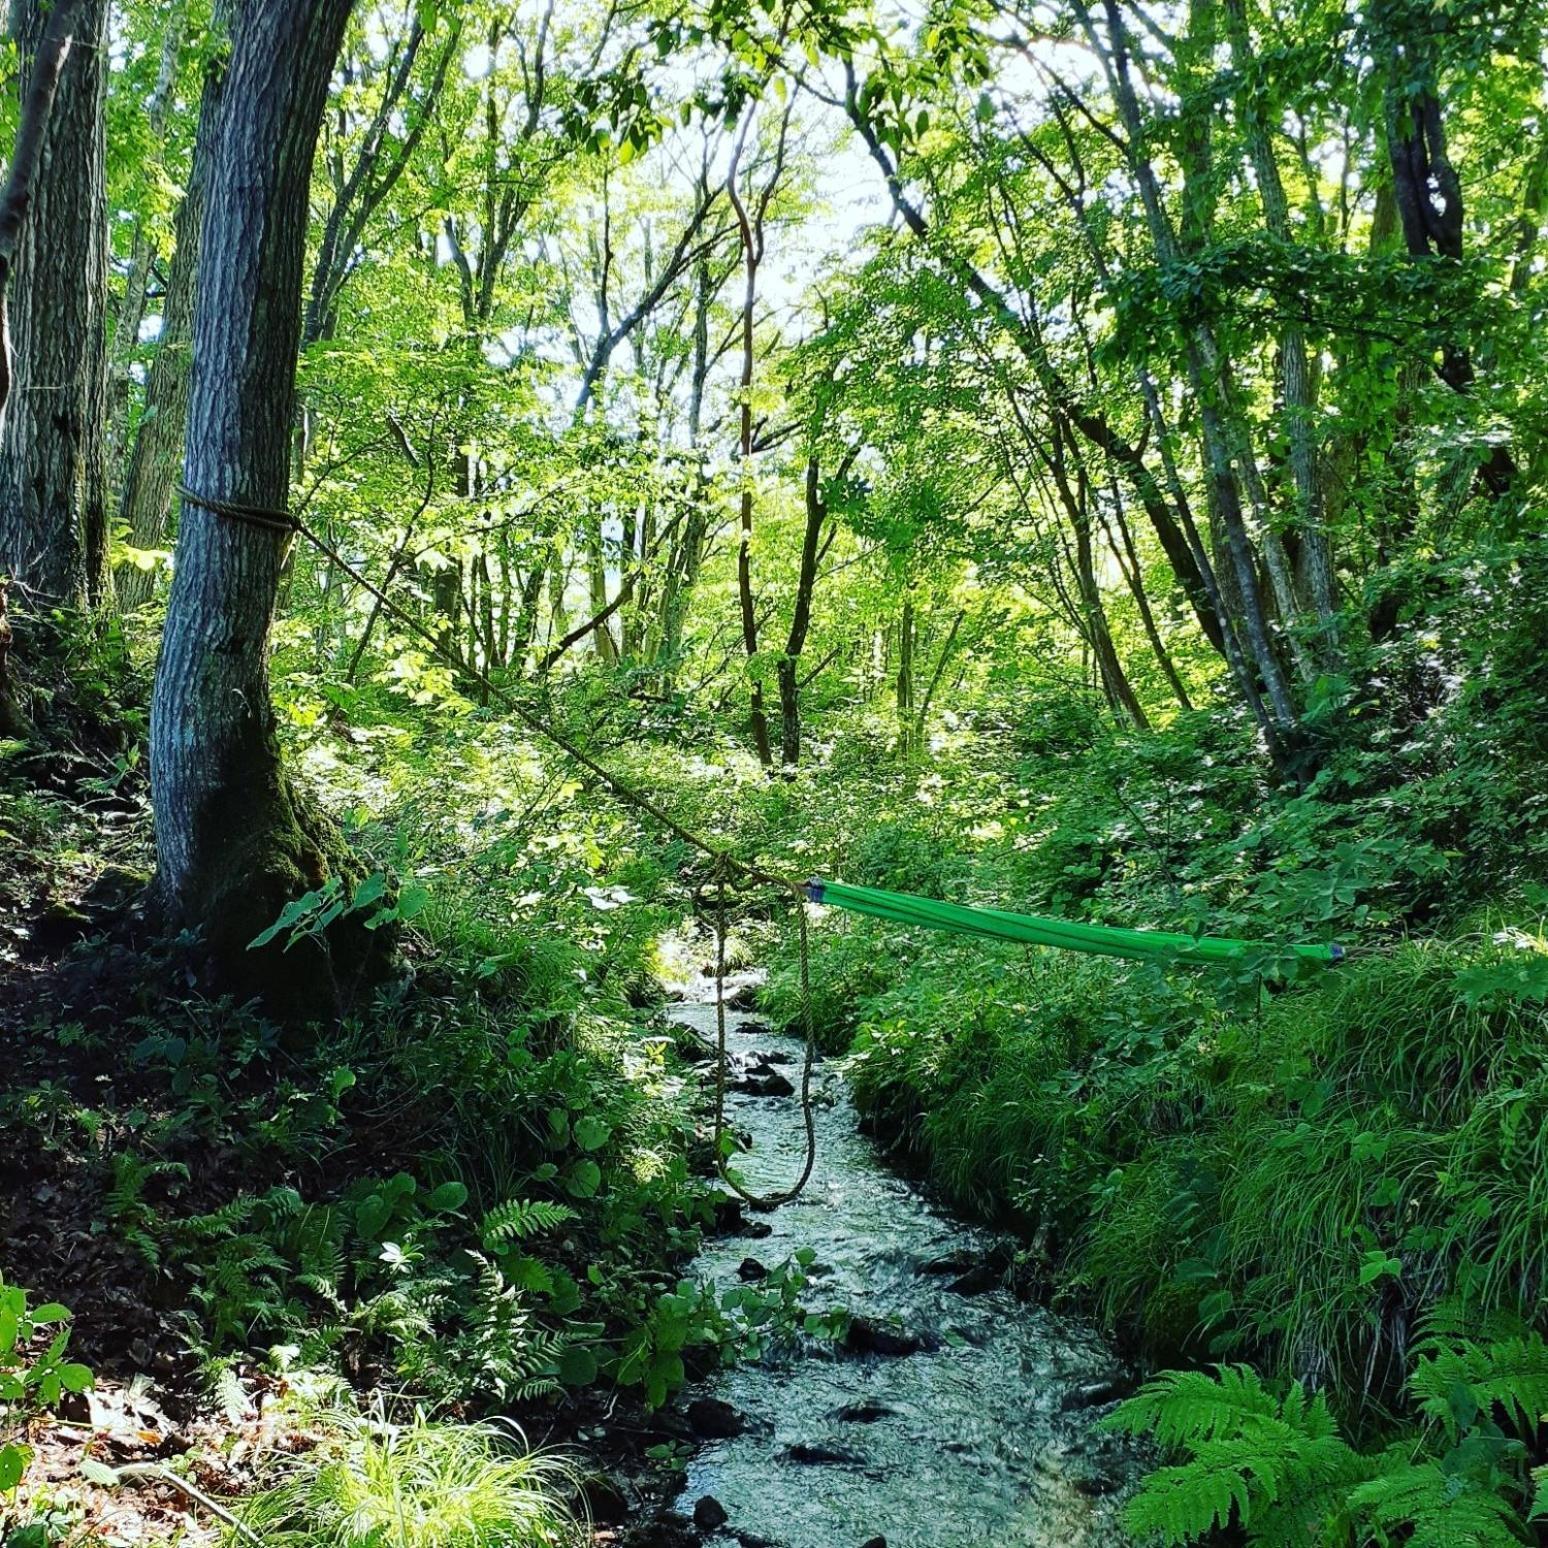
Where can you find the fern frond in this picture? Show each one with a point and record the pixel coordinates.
(1179, 1504)
(517, 1219)
(1511, 1374)
(1181, 1408)
(1440, 1509)
(1276, 1467)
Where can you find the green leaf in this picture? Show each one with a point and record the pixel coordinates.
(75, 1377)
(13, 1463)
(583, 1179)
(448, 1197)
(371, 1216)
(592, 1133)
(577, 1366)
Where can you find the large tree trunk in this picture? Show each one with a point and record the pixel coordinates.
(145, 500)
(233, 842)
(53, 468)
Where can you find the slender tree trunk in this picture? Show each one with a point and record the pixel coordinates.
(1299, 405)
(683, 573)
(922, 715)
(751, 252)
(1115, 679)
(903, 685)
(1428, 192)
(234, 843)
(1122, 545)
(1223, 438)
(142, 259)
(1090, 421)
(1091, 610)
(53, 455)
(800, 620)
(145, 498)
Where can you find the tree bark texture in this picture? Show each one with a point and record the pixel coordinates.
(145, 500)
(53, 467)
(233, 842)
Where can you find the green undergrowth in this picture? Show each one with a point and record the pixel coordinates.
(1330, 1190)
(479, 1189)
(412, 1482)
(1305, 1182)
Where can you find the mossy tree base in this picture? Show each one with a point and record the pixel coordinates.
(276, 848)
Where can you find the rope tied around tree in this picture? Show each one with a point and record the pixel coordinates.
(722, 862)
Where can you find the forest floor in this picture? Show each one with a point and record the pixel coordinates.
(154, 1452)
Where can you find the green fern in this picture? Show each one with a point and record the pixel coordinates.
(136, 1221)
(517, 1219)
(1180, 1408)
(1276, 1466)
(1439, 1509)
(1179, 1504)
(1456, 1382)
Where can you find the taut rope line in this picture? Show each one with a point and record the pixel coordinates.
(722, 861)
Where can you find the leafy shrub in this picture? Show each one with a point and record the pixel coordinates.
(34, 1374)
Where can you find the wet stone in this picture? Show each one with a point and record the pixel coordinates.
(1092, 1394)
(868, 1337)
(765, 1084)
(978, 1280)
(715, 1419)
(1094, 1484)
(750, 1269)
(863, 1413)
(709, 1515)
(951, 1263)
(667, 1530)
(822, 1456)
(730, 1220)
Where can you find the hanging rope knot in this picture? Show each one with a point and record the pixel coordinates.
(235, 510)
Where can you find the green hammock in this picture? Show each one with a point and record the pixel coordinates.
(1035, 930)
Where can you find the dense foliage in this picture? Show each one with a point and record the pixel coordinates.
(1070, 456)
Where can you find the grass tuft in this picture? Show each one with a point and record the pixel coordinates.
(423, 1484)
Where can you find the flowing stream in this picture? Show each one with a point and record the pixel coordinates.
(954, 1415)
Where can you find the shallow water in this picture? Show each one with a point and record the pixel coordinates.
(984, 1440)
